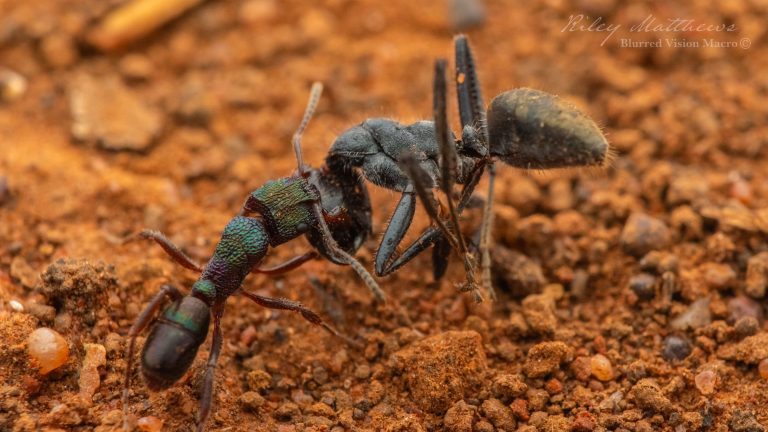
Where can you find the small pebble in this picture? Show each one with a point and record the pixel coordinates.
(611, 403)
(12, 85)
(675, 348)
(258, 380)
(362, 372)
(46, 314)
(520, 410)
(601, 367)
(757, 276)
(466, 14)
(248, 335)
(320, 375)
(697, 315)
(746, 326)
(741, 306)
(643, 286)
(251, 400)
(584, 422)
(762, 368)
(89, 380)
(643, 233)
(150, 424)
(554, 386)
(48, 349)
(706, 381)
(459, 417)
(16, 306)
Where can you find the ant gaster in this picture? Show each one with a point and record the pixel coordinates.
(524, 128)
(284, 209)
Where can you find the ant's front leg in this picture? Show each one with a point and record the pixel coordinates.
(388, 260)
(427, 238)
(146, 317)
(393, 235)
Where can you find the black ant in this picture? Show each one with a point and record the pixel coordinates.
(284, 209)
(524, 128)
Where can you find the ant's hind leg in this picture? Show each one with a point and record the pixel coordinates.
(289, 265)
(171, 249)
(290, 305)
(146, 317)
(206, 399)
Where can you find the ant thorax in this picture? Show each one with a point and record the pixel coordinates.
(285, 207)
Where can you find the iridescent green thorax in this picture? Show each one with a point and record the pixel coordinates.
(286, 207)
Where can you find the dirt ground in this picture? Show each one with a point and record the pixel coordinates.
(630, 298)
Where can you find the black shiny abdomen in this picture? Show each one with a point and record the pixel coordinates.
(173, 342)
(345, 201)
(533, 129)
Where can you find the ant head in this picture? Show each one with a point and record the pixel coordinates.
(347, 210)
(173, 342)
(530, 128)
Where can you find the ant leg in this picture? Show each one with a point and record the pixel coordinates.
(289, 265)
(425, 240)
(418, 177)
(440, 253)
(171, 249)
(470, 98)
(448, 170)
(433, 235)
(485, 234)
(146, 316)
(396, 228)
(472, 113)
(290, 305)
(471, 106)
(342, 255)
(317, 209)
(206, 399)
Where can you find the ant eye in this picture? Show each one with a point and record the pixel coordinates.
(533, 129)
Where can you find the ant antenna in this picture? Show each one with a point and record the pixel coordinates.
(317, 208)
(314, 98)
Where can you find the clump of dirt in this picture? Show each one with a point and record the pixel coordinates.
(442, 368)
(77, 287)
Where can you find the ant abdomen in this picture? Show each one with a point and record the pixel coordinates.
(530, 128)
(173, 342)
